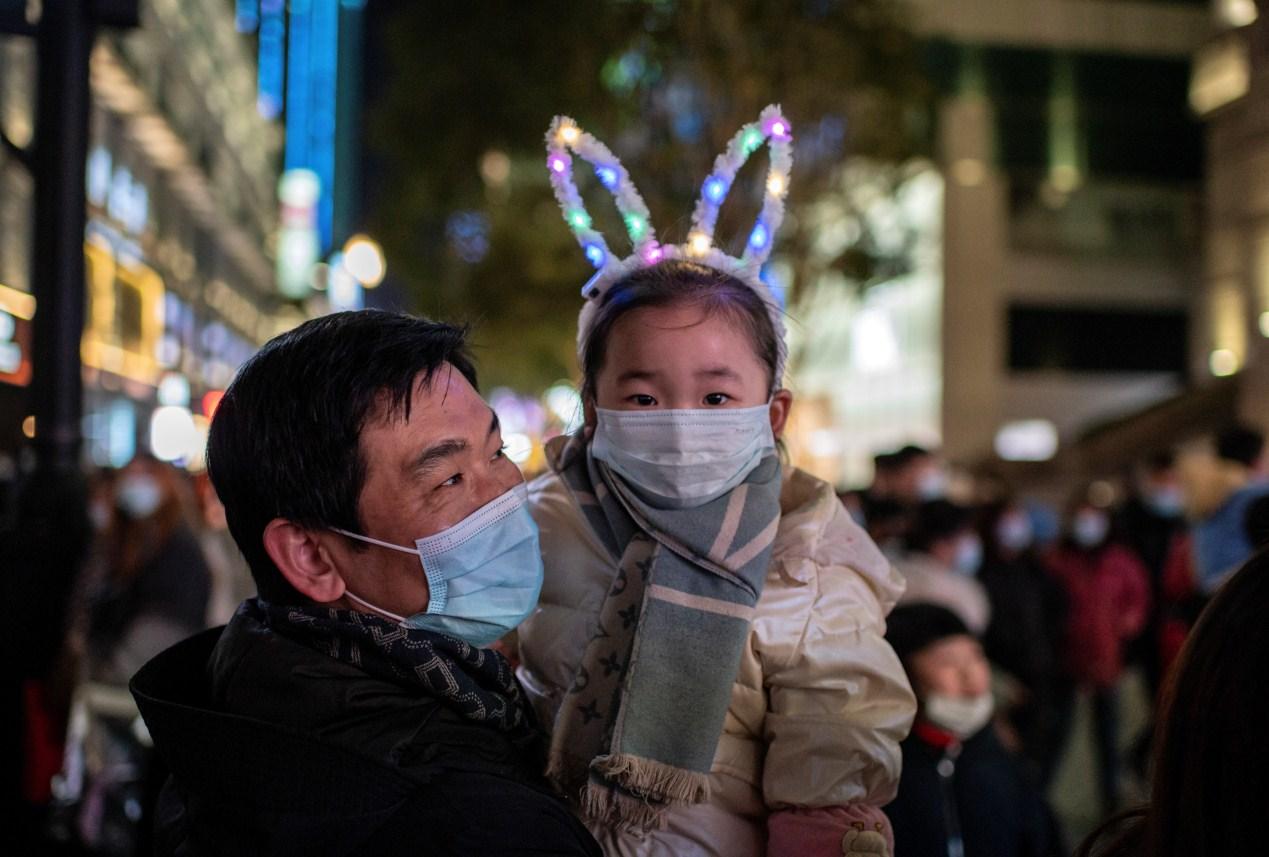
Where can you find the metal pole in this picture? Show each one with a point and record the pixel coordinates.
(61, 152)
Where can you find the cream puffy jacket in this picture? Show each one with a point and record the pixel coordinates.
(820, 703)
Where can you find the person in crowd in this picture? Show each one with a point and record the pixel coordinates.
(944, 554)
(1151, 522)
(888, 522)
(156, 584)
(885, 469)
(1219, 494)
(1108, 598)
(1211, 756)
(961, 791)
(1028, 612)
(921, 476)
(354, 705)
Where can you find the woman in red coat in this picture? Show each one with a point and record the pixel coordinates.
(1108, 598)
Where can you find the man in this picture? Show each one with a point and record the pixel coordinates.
(1219, 496)
(943, 556)
(352, 705)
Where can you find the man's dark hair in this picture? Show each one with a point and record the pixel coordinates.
(935, 521)
(1241, 444)
(285, 439)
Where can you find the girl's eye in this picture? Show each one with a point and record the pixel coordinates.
(642, 400)
(501, 453)
(717, 399)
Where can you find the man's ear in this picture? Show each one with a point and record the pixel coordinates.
(303, 560)
(781, 404)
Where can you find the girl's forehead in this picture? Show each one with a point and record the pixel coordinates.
(693, 331)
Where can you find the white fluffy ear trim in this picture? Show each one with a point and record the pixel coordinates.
(563, 140)
(776, 131)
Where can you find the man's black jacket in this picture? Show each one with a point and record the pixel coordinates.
(276, 749)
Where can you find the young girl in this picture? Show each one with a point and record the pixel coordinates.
(708, 652)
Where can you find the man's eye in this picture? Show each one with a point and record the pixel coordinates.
(642, 400)
(456, 479)
(501, 453)
(717, 399)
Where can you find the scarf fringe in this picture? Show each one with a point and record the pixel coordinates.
(605, 806)
(635, 793)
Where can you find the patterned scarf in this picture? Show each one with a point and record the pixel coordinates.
(477, 683)
(637, 731)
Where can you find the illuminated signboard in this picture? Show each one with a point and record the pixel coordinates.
(272, 59)
(125, 314)
(312, 63)
(16, 311)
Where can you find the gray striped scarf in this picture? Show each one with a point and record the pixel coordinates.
(637, 731)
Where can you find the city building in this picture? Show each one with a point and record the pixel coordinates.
(1230, 90)
(182, 179)
(1062, 285)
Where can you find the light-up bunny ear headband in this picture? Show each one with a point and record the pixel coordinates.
(565, 139)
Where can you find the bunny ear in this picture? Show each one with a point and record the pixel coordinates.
(565, 139)
(771, 128)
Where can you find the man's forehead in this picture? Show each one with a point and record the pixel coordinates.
(444, 390)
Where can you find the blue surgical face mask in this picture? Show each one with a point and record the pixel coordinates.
(1089, 529)
(139, 496)
(484, 573)
(1014, 532)
(686, 458)
(968, 556)
(1166, 502)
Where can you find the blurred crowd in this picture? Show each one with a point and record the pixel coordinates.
(1015, 608)
(161, 566)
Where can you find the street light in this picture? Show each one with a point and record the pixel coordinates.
(363, 258)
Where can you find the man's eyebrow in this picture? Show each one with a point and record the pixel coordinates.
(433, 455)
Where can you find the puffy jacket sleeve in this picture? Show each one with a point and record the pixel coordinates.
(838, 700)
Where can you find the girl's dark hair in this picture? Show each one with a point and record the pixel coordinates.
(1211, 756)
(673, 282)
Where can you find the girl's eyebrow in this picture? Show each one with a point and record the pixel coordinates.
(718, 372)
(637, 375)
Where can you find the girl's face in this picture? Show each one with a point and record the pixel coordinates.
(681, 357)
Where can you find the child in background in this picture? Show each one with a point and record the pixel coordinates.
(709, 649)
(961, 792)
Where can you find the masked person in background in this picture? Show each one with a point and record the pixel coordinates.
(1024, 638)
(155, 582)
(709, 647)
(941, 562)
(1152, 523)
(1218, 491)
(962, 792)
(1108, 598)
(353, 705)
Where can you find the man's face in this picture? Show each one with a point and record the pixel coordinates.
(422, 476)
(954, 666)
